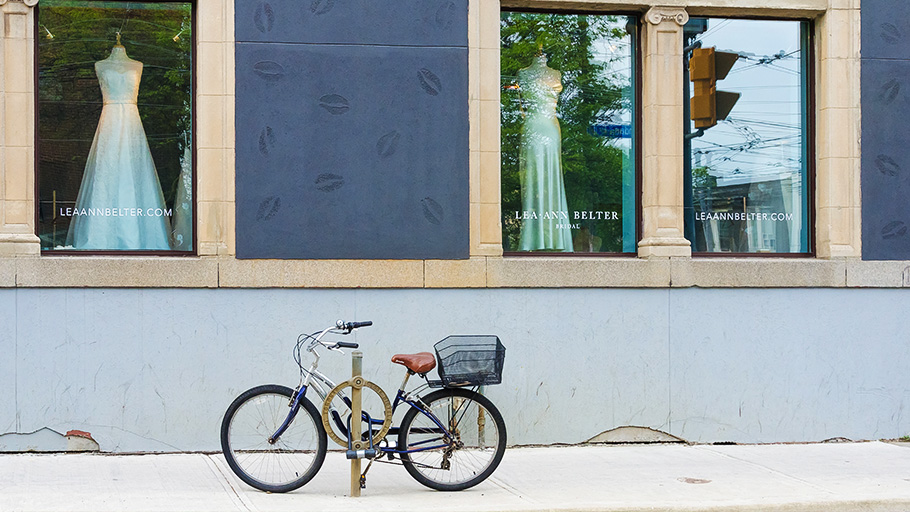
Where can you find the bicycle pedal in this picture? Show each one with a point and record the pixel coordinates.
(363, 481)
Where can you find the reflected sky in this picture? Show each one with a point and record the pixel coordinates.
(762, 138)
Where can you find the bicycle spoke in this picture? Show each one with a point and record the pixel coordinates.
(272, 465)
(466, 455)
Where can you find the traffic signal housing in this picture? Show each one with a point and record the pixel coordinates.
(708, 105)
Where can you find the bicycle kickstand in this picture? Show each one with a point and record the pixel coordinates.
(363, 476)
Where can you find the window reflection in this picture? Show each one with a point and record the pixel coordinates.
(115, 126)
(749, 173)
(567, 103)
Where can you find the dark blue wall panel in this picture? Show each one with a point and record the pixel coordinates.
(352, 129)
(386, 22)
(886, 110)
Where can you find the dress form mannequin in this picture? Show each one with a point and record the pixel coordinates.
(118, 60)
(545, 226)
(120, 205)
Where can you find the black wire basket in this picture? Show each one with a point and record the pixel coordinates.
(470, 360)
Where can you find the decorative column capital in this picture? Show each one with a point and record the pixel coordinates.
(28, 3)
(657, 15)
(12, 3)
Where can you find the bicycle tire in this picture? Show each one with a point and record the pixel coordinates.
(290, 462)
(468, 464)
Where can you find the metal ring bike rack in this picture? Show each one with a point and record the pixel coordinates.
(356, 383)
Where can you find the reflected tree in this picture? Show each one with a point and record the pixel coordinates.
(591, 52)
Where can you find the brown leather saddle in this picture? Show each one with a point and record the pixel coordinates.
(421, 362)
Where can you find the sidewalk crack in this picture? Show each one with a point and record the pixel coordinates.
(769, 469)
(225, 480)
(511, 490)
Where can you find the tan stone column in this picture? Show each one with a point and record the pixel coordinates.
(484, 115)
(215, 129)
(662, 147)
(17, 129)
(838, 109)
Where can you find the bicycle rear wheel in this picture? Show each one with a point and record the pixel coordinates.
(288, 462)
(476, 446)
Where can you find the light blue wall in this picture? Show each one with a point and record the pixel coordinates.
(154, 369)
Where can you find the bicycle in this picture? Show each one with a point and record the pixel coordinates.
(452, 438)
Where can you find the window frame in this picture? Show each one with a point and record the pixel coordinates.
(637, 132)
(811, 151)
(194, 68)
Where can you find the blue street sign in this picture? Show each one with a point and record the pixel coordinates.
(612, 131)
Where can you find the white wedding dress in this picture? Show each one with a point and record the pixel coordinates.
(543, 192)
(120, 205)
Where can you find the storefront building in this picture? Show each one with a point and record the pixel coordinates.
(688, 216)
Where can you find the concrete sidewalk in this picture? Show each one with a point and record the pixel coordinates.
(871, 476)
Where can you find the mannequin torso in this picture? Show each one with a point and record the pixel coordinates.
(540, 86)
(119, 76)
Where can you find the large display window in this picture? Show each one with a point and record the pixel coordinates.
(115, 126)
(749, 150)
(569, 133)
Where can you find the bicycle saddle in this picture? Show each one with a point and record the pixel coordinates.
(421, 362)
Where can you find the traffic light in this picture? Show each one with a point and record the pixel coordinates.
(706, 67)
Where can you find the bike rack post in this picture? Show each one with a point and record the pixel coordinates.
(356, 407)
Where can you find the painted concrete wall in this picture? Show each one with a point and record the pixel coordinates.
(154, 369)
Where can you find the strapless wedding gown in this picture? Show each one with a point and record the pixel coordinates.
(120, 205)
(540, 162)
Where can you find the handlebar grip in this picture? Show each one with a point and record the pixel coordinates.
(355, 325)
(345, 344)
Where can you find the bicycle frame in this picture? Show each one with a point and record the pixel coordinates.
(316, 380)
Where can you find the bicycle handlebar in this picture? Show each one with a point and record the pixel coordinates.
(340, 327)
(347, 327)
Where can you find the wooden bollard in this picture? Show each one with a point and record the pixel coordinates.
(356, 404)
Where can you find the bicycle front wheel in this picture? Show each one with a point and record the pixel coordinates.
(279, 465)
(466, 454)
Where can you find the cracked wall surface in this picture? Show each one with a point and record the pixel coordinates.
(8, 363)
(154, 369)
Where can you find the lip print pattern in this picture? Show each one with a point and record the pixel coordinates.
(268, 208)
(334, 104)
(264, 18)
(432, 211)
(887, 166)
(890, 90)
(894, 229)
(266, 140)
(430, 83)
(388, 144)
(329, 182)
(890, 33)
(269, 70)
(445, 14)
(322, 6)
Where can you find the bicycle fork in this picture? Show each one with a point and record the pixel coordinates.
(295, 408)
